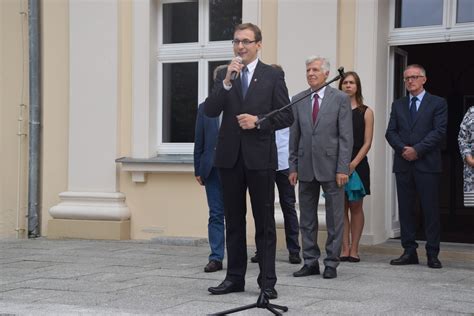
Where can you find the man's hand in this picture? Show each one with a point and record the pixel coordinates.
(409, 153)
(235, 65)
(470, 161)
(293, 178)
(247, 121)
(199, 180)
(341, 179)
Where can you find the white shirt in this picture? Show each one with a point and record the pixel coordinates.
(419, 97)
(251, 69)
(282, 138)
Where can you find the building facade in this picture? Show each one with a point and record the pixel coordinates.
(121, 81)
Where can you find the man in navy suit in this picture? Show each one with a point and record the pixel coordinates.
(205, 140)
(415, 131)
(246, 155)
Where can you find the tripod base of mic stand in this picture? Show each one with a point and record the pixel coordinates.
(262, 302)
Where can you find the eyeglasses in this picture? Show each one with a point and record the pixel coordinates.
(244, 42)
(406, 79)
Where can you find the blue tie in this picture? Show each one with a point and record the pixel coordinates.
(413, 109)
(244, 81)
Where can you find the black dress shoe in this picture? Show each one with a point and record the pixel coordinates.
(434, 263)
(226, 287)
(405, 259)
(307, 270)
(294, 258)
(329, 273)
(254, 259)
(353, 259)
(271, 294)
(344, 258)
(213, 266)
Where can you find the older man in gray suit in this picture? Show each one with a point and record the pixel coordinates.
(320, 153)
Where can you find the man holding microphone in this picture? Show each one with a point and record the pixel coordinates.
(246, 155)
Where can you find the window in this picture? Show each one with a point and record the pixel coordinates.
(180, 22)
(194, 37)
(465, 11)
(411, 13)
(180, 95)
(430, 21)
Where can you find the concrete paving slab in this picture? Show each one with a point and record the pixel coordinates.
(89, 277)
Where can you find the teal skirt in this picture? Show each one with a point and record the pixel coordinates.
(355, 190)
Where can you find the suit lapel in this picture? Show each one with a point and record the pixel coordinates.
(406, 109)
(306, 108)
(254, 81)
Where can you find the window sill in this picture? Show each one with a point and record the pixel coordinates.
(139, 167)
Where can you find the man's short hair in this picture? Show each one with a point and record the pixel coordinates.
(249, 26)
(325, 65)
(216, 70)
(422, 69)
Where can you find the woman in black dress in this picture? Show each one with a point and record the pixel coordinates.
(363, 129)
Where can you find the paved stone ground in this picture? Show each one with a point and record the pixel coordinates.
(85, 277)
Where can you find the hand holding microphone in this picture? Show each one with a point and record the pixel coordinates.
(233, 70)
(237, 61)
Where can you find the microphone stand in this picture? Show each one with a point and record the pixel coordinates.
(272, 113)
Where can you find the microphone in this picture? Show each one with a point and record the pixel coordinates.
(340, 70)
(235, 74)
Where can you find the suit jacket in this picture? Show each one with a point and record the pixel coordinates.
(425, 134)
(266, 92)
(322, 149)
(205, 140)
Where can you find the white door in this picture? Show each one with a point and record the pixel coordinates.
(398, 62)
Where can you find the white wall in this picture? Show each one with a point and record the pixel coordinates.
(305, 28)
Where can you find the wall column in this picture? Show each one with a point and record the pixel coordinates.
(371, 63)
(92, 207)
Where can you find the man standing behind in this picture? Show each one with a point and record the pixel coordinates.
(415, 131)
(287, 196)
(246, 155)
(320, 153)
(205, 140)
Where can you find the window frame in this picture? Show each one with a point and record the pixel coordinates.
(203, 51)
(145, 83)
(449, 30)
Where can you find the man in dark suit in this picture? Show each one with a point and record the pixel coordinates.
(205, 140)
(415, 131)
(320, 153)
(246, 155)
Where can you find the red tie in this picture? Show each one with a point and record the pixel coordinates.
(315, 107)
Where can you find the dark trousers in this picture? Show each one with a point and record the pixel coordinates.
(260, 184)
(215, 226)
(426, 186)
(287, 196)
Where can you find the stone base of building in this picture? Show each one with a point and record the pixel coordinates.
(88, 229)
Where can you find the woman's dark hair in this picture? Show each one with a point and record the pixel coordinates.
(358, 95)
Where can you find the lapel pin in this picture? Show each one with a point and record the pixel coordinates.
(255, 80)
